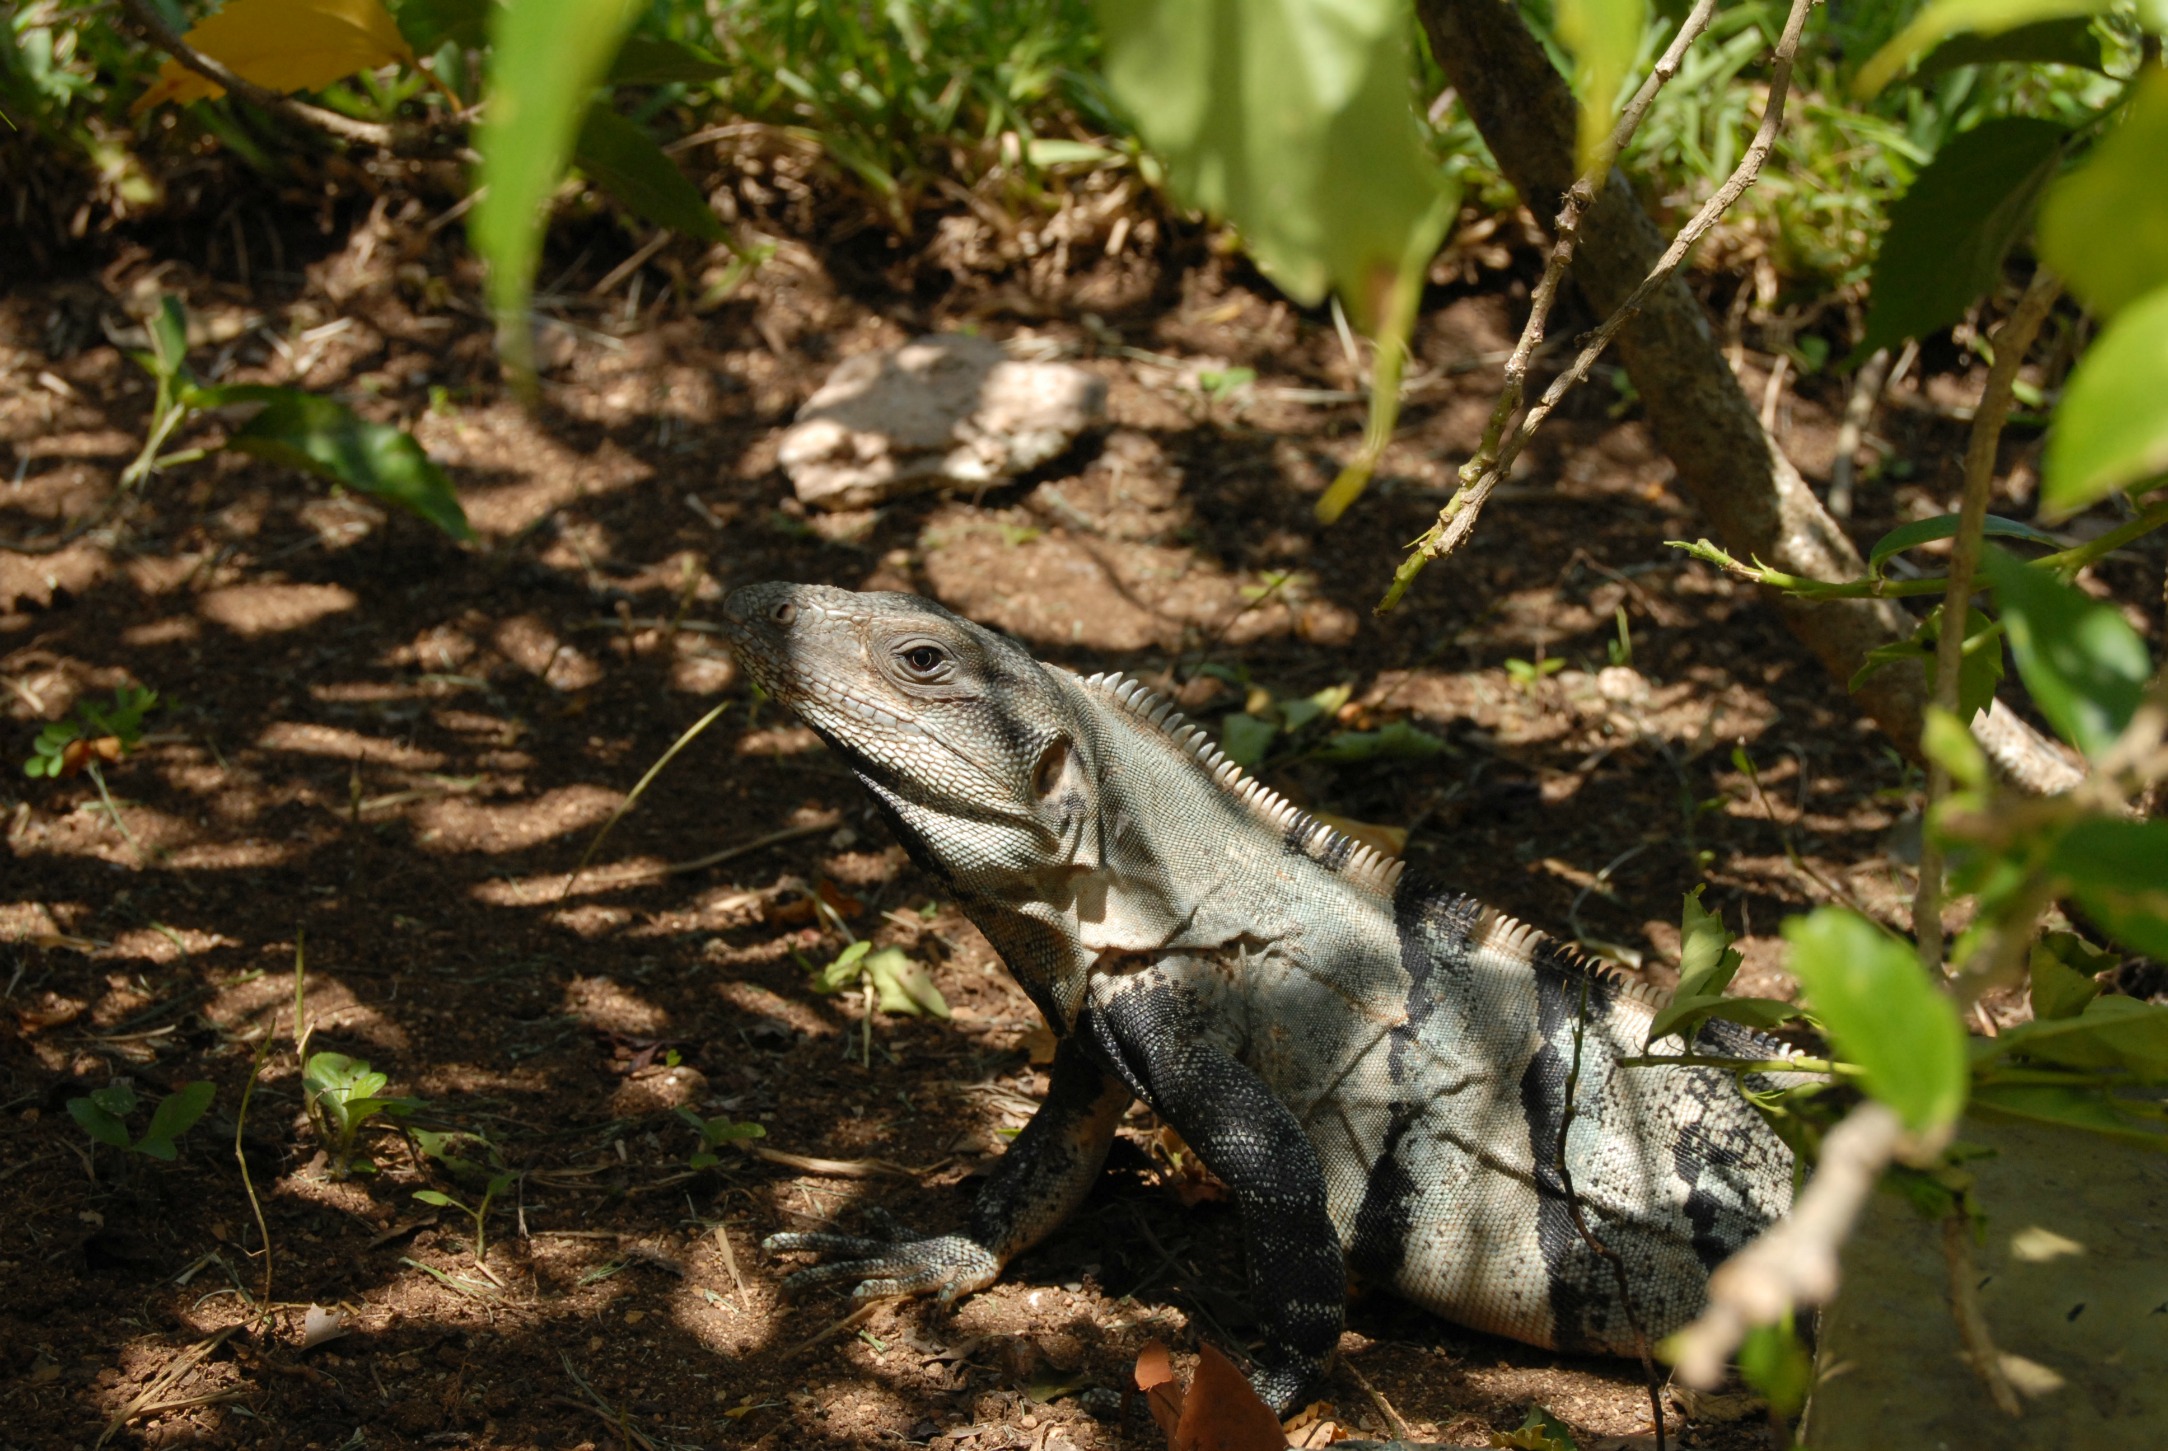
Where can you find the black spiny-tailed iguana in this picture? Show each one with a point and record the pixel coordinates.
(1378, 1069)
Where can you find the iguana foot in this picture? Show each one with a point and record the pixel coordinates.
(1285, 1386)
(900, 1264)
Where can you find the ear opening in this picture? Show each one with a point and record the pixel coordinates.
(1053, 765)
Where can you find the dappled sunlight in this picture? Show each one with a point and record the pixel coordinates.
(311, 738)
(255, 610)
(604, 1003)
(457, 824)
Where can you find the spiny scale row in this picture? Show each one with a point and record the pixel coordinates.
(1365, 866)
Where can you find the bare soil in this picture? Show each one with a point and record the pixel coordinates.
(398, 749)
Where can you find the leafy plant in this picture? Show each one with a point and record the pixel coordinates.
(103, 1114)
(714, 1133)
(478, 1212)
(341, 1096)
(91, 735)
(900, 983)
(1528, 674)
(302, 430)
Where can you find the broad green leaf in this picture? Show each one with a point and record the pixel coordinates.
(117, 1098)
(348, 1078)
(438, 1198)
(1772, 1361)
(1291, 119)
(2104, 227)
(1604, 38)
(1949, 232)
(2111, 431)
(1942, 19)
(2078, 1108)
(1245, 738)
(903, 985)
(643, 61)
(2083, 663)
(1706, 965)
(98, 1123)
(546, 59)
(1539, 1430)
(429, 24)
(620, 157)
(178, 1112)
(168, 329)
(2065, 972)
(325, 437)
(1945, 741)
(282, 45)
(844, 971)
(1394, 741)
(2110, 1033)
(1944, 526)
(2119, 870)
(1882, 1013)
(2069, 40)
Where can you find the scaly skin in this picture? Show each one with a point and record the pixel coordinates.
(1377, 1068)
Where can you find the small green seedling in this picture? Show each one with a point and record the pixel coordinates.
(900, 984)
(94, 733)
(1527, 674)
(104, 1112)
(1621, 650)
(342, 1095)
(1221, 384)
(715, 1132)
(479, 1213)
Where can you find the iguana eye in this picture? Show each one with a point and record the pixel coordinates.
(923, 659)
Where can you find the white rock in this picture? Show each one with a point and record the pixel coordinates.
(945, 409)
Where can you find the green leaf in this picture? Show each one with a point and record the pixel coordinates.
(2119, 870)
(2110, 431)
(723, 1131)
(546, 59)
(1944, 526)
(1944, 18)
(620, 157)
(2104, 227)
(904, 985)
(1949, 232)
(2070, 40)
(98, 1123)
(2083, 663)
(1945, 741)
(1539, 1430)
(844, 971)
(428, 24)
(1244, 738)
(324, 437)
(1395, 741)
(1604, 39)
(2064, 971)
(1882, 1013)
(2078, 1108)
(1292, 121)
(2109, 1033)
(168, 329)
(644, 61)
(438, 1198)
(1772, 1361)
(117, 1098)
(177, 1113)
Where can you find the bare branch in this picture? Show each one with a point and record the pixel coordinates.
(1458, 517)
(168, 40)
(2012, 341)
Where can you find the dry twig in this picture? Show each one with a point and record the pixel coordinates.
(1457, 519)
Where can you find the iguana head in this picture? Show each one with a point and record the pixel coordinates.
(973, 748)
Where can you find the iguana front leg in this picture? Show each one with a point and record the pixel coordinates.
(1297, 1272)
(1045, 1174)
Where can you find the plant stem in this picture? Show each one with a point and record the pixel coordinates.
(2012, 341)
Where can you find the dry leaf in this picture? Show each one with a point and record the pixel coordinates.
(1038, 1044)
(282, 45)
(48, 1010)
(319, 1325)
(1155, 1377)
(1221, 1412)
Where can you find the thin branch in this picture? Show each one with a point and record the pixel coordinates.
(1457, 519)
(2012, 341)
(1579, 198)
(170, 41)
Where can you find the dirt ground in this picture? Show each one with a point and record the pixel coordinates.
(398, 748)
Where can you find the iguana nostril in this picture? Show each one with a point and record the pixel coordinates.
(783, 613)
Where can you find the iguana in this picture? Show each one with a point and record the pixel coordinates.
(1379, 1069)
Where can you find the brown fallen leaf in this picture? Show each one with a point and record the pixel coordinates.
(1221, 1412)
(1155, 1377)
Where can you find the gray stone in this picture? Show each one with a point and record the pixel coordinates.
(2073, 1284)
(940, 410)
